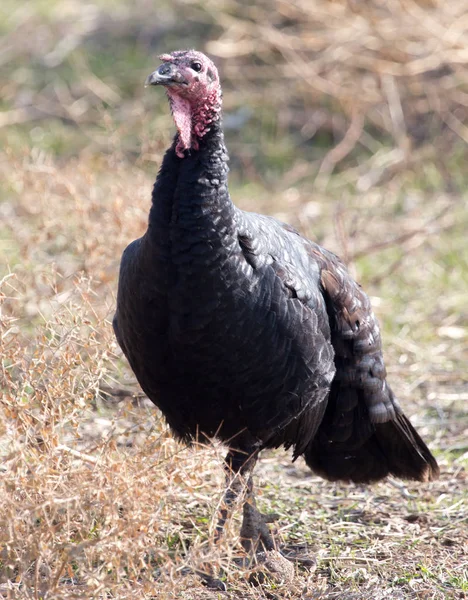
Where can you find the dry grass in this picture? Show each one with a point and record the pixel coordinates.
(361, 76)
(98, 500)
(397, 68)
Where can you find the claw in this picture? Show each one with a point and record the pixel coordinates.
(212, 582)
(270, 517)
(299, 557)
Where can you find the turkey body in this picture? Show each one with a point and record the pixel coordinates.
(239, 328)
(226, 330)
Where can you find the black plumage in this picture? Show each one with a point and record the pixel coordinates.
(239, 328)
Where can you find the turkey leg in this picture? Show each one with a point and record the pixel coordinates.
(255, 534)
(237, 464)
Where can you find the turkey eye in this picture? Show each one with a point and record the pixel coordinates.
(196, 66)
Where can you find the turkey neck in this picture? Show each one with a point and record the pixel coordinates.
(192, 213)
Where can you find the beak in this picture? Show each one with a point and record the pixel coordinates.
(167, 74)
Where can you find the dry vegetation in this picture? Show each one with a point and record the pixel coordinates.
(361, 143)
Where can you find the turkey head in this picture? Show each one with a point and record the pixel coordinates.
(192, 85)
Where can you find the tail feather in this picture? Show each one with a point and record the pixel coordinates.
(393, 448)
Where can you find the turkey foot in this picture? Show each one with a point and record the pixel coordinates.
(255, 533)
(256, 537)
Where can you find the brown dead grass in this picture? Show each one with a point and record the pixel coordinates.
(397, 68)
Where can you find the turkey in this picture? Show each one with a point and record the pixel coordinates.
(240, 329)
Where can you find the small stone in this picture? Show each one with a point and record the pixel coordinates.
(272, 566)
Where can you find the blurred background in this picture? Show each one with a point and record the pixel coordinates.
(348, 119)
(382, 84)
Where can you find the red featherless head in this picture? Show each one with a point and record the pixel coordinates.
(192, 84)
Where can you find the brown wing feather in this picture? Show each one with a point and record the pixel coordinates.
(364, 435)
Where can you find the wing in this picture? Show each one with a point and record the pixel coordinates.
(364, 435)
(358, 350)
(297, 328)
